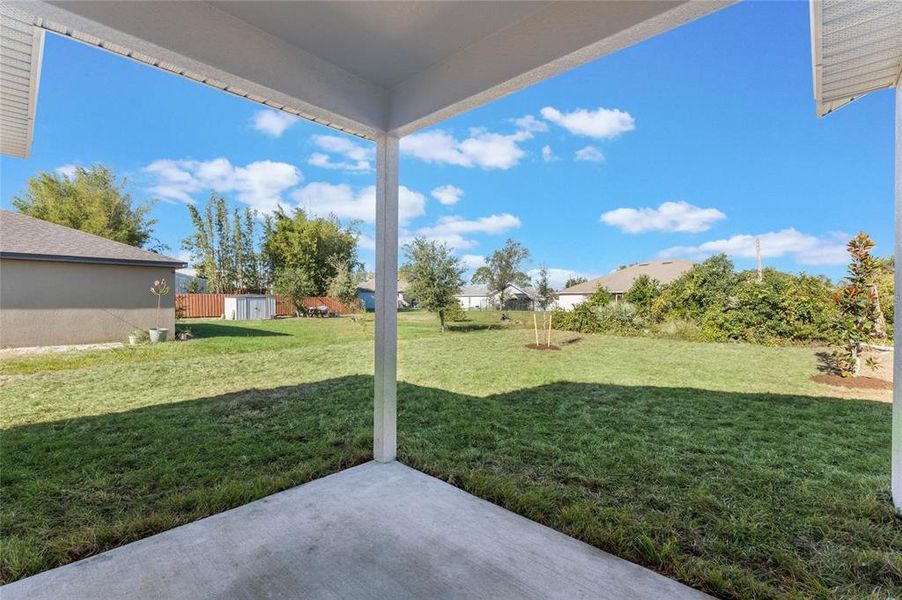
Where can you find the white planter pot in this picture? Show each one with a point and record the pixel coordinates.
(132, 340)
(157, 335)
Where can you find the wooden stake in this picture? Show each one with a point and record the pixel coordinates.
(535, 324)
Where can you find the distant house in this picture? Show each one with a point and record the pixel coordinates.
(479, 298)
(366, 292)
(186, 280)
(63, 286)
(619, 282)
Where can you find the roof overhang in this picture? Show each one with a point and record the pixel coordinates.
(367, 68)
(93, 260)
(856, 48)
(21, 46)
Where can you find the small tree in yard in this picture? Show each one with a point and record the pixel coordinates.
(434, 276)
(545, 294)
(502, 269)
(860, 318)
(643, 293)
(294, 285)
(343, 286)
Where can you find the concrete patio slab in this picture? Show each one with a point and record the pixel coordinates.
(373, 531)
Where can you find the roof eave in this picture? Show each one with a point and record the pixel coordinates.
(97, 260)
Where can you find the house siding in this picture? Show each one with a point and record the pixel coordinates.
(44, 303)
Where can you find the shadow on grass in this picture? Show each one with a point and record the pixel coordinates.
(466, 327)
(211, 330)
(736, 494)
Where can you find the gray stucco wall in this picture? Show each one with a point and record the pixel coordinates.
(50, 303)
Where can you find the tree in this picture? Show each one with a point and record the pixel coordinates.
(314, 245)
(293, 284)
(643, 293)
(502, 269)
(434, 276)
(225, 250)
(545, 294)
(343, 286)
(860, 318)
(93, 200)
(571, 281)
(705, 287)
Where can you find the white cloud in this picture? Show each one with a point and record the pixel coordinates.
(602, 123)
(589, 154)
(67, 171)
(481, 149)
(272, 122)
(260, 184)
(452, 230)
(557, 277)
(669, 216)
(321, 198)
(530, 123)
(472, 261)
(448, 195)
(804, 248)
(355, 157)
(366, 242)
(548, 154)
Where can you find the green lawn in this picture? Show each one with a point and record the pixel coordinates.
(721, 465)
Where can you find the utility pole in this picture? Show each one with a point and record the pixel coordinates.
(758, 254)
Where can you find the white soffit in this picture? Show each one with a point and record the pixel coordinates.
(20, 73)
(366, 67)
(856, 48)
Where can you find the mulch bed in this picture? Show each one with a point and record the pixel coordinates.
(861, 383)
(542, 347)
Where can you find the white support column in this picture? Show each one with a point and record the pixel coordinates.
(897, 341)
(385, 438)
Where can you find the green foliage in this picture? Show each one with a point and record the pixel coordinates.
(860, 318)
(545, 294)
(315, 246)
(294, 285)
(225, 250)
(343, 286)
(93, 200)
(600, 297)
(622, 318)
(434, 275)
(706, 286)
(643, 293)
(502, 269)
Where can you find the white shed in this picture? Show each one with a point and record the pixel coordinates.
(250, 307)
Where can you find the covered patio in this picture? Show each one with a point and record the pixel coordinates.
(382, 71)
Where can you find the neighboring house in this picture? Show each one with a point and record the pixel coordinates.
(184, 279)
(366, 292)
(478, 298)
(619, 282)
(64, 286)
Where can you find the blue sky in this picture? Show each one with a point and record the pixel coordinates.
(693, 142)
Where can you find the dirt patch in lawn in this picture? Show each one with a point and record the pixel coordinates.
(859, 383)
(542, 347)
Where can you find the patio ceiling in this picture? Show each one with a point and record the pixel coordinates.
(20, 73)
(856, 48)
(364, 67)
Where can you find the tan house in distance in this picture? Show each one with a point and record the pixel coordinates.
(63, 286)
(619, 282)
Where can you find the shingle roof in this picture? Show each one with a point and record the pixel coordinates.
(473, 291)
(26, 238)
(619, 282)
(370, 285)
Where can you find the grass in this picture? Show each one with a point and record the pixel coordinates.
(723, 466)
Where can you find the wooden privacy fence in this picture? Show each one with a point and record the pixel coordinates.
(195, 306)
